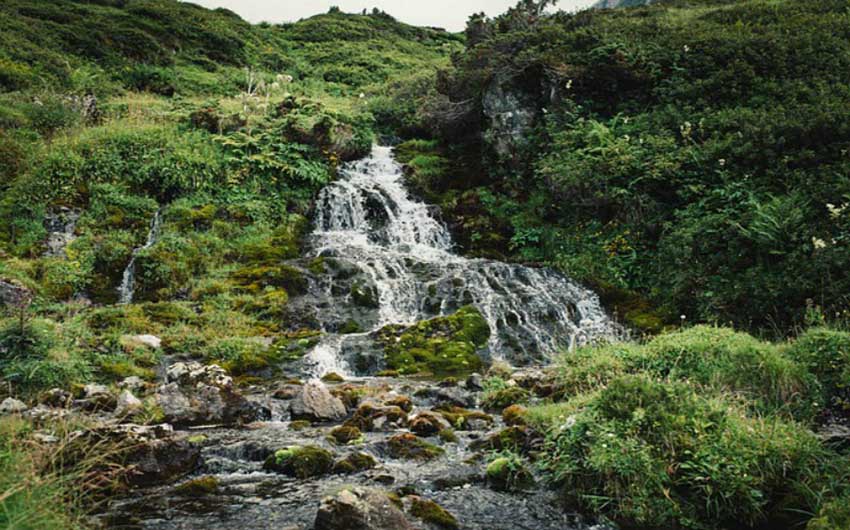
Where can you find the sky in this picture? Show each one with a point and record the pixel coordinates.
(449, 14)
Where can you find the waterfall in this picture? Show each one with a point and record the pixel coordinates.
(368, 219)
(128, 279)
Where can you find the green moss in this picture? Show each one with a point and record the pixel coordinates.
(505, 397)
(256, 278)
(443, 346)
(350, 326)
(345, 434)
(508, 473)
(448, 436)
(460, 418)
(333, 377)
(317, 266)
(198, 487)
(411, 447)
(364, 296)
(299, 425)
(432, 513)
(301, 461)
(354, 463)
(514, 415)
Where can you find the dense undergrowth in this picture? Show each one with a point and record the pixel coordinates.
(694, 151)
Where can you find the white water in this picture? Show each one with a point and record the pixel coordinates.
(128, 279)
(368, 218)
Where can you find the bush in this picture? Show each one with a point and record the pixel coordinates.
(826, 353)
(657, 454)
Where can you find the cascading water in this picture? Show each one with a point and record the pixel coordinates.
(128, 279)
(368, 219)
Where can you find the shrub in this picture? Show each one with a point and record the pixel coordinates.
(826, 353)
(658, 454)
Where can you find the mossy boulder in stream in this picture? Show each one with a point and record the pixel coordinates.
(447, 345)
(411, 447)
(301, 462)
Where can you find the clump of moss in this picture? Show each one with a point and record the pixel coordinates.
(198, 487)
(301, 461)
(442, 346)
(299, 425)
(505, 397)
(364, 295)
(514, 415)
(411, 447)
(508, 473)
(368, 415)
(354, 463)
(351, 326)
(461, 418)
(345, 434)
(333, 377)
(448, 436)
(432, 513)
(402, 402)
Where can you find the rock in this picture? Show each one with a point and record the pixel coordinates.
(150, 341)
(454, 396)
(835, 436)
(519, 439)
(128, 404)
(12, 406)
(301, 462)
(287, 392)
(427, 424)
(333, 377)
(475, 382)
(315, 403)
(354, 463)
(360, 508)
(500, 399)
(465, 420)
(132, 383)
(430, 512)
(14, 294)
(56, 397)
(411, 447)
(511, 112)
(96, 397)
(402, 402)
(61, 225)
(371, 417)
(205, 394)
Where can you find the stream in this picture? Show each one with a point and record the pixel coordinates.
(382, 241)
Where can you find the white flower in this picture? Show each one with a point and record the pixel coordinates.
(686, 48)
(722, 162)
(362, 95)
(569, 84)
(835, 211)
(683, 318)
(818, 243)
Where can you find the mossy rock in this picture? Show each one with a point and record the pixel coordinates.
(301, 461)
(411, 447)
(333, 377)
(509, 474)
(299, 425)
(367, 415)
(364, 296)
(633, 309)
(444, 346)
(198, 487)
(505, 397)
(461, 418)
(345, 434)
(354, 463)
(516, 438)
(402, 402)
(351, 326)
(448, 436)
(256, 278)
(514, 415)
(432, 513)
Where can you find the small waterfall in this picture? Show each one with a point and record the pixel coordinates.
(368, 219)
(128, 279)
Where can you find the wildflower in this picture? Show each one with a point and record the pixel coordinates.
(722, 162)
(835, 211)
(362, 95)
(686, 48)
(818, 243)
(569, 84)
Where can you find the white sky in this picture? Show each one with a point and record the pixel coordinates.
(449, 14)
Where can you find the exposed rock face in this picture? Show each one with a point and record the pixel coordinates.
(360, 509)
(13, 294)
(314, 402)
(12, 406)
(128, 404)
(201, 394)
(61, 225)
(511, 113)
(157, 455)
(151, 341)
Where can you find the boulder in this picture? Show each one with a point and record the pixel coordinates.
(427, 424)
(430, 512)
(128, 404)
(301, 462)
(12, 406)
(314, 402)
(150, 341)
(158, 456)
(132, 383)
(96, 397)
(360, 508)
(56, 397)
(475, 382)
(14, 294)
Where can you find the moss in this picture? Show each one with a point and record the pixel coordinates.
(505, 397)
(402, 402)
(633, 310)
(432, 513)
(448, 436)
(256, 278)
(299, 425)
(197, 439)
(345, 434)
(317, 266)
(333, 377)
(351, 326)
(460, 418)
(169, 313)
(301, 461)
(508, 473)
(388, 373)
(365, 416)
(514, 415)
(442, 346)
(354, 463)
(198, 487)
(411, 447)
